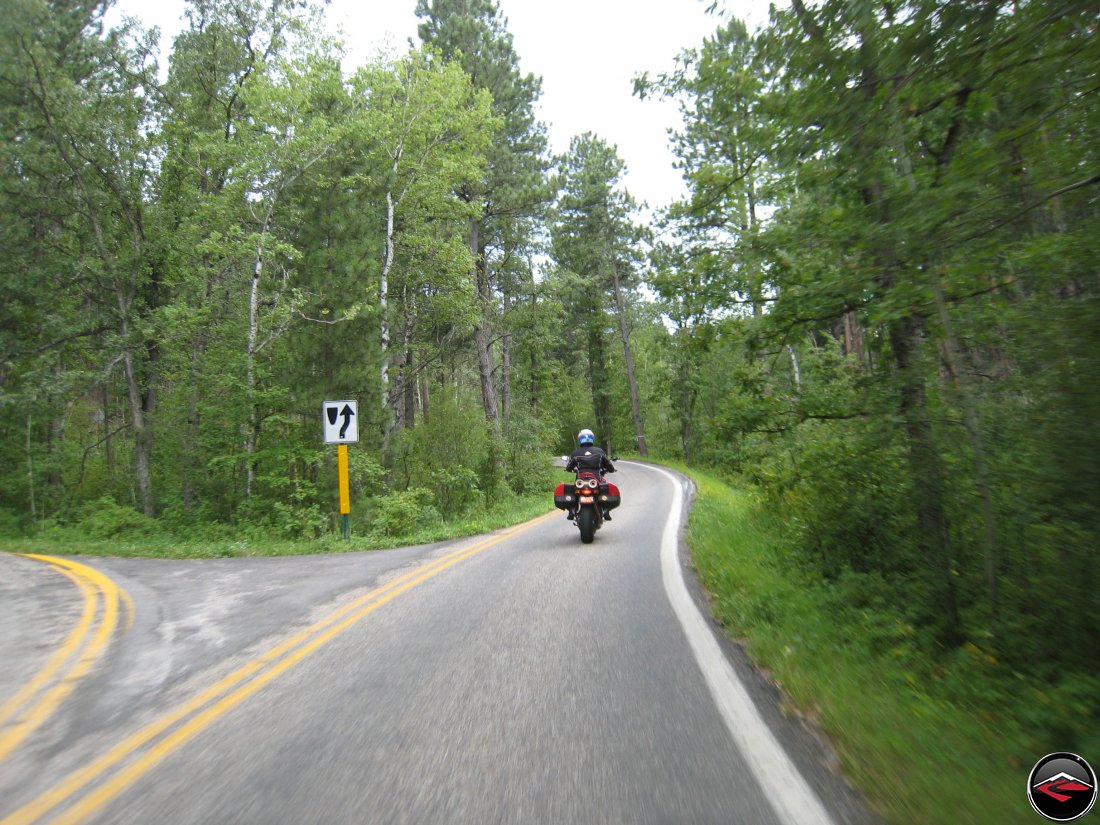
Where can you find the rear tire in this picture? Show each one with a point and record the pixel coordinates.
(586, 520)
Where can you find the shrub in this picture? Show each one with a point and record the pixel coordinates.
(107, 519)
(454, 489)
(10, 523)
(528, 467)
(306, 521)
(401, 513)
(444, 454)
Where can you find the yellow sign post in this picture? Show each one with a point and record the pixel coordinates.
(345, 492)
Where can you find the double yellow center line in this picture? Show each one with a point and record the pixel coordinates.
(37, 700)
(129, 760)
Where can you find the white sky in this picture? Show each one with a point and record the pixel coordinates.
(586, 51)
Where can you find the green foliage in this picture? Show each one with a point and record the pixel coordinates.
(527, 466)
(10, 523)
(404, 512)
(454, 490)
(596, 248)
(107, 519)
(914, 388)
(446, 455)
(841, 651)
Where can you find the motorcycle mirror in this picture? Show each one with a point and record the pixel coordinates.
(614, 458)
(565, 458)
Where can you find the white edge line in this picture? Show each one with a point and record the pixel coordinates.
(771, 766)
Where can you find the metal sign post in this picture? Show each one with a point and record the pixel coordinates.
(340, 420)
(345, 492)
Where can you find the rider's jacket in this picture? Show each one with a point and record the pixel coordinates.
(590, 458)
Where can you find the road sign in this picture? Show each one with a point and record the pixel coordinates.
(341, 420)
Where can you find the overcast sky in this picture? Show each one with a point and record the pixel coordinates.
(587, 53)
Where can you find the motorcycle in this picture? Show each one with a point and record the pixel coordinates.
(587, 498)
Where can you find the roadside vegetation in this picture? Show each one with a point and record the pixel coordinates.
(107, 529)
(931, 739)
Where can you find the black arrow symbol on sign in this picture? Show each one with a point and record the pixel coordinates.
(347, 413)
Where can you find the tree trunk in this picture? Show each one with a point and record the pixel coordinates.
(977, 443)
(251, 436)
(853, 336)
(383, 303)
(598, 377)
(408, 371)
(796, 371)
(482, 334)
(928, 479)
(687, 415)
(30, 467)
(628, 356)
(534, 361)
(191, 433)
(54, 443)
(424, 384)
(506, 365)
(108, 456)
(143, 438)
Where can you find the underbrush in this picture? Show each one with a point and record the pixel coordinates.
(108, 529)
(930, 740)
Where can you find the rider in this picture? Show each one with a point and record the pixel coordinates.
(589, 457)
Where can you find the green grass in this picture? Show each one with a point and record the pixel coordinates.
(918, 755)
(220, 541)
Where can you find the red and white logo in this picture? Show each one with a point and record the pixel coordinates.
(1062, 787)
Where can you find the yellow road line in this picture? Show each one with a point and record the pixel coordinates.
(78, 779)
(130, 611)
(264, 669)
(9, 738)
(92, 651)
(96, 588)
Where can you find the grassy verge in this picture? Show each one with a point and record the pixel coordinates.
(219, 541)
(918, 756)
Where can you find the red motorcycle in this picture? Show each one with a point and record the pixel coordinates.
(588, 498)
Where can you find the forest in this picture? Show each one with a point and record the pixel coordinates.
(878, 306)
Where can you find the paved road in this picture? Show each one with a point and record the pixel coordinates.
(521, 677)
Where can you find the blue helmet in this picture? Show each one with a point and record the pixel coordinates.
(586, 437)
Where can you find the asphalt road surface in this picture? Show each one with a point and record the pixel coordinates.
(518, 677)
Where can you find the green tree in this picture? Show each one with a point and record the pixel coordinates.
(513, 192)
(77, 119)
(596, 245)
(247, 120)
(917, 158)
(426, 131)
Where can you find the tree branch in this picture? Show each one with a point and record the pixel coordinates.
(1081, 184)
(809, 25)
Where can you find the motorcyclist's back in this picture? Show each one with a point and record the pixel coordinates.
(590, 458)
